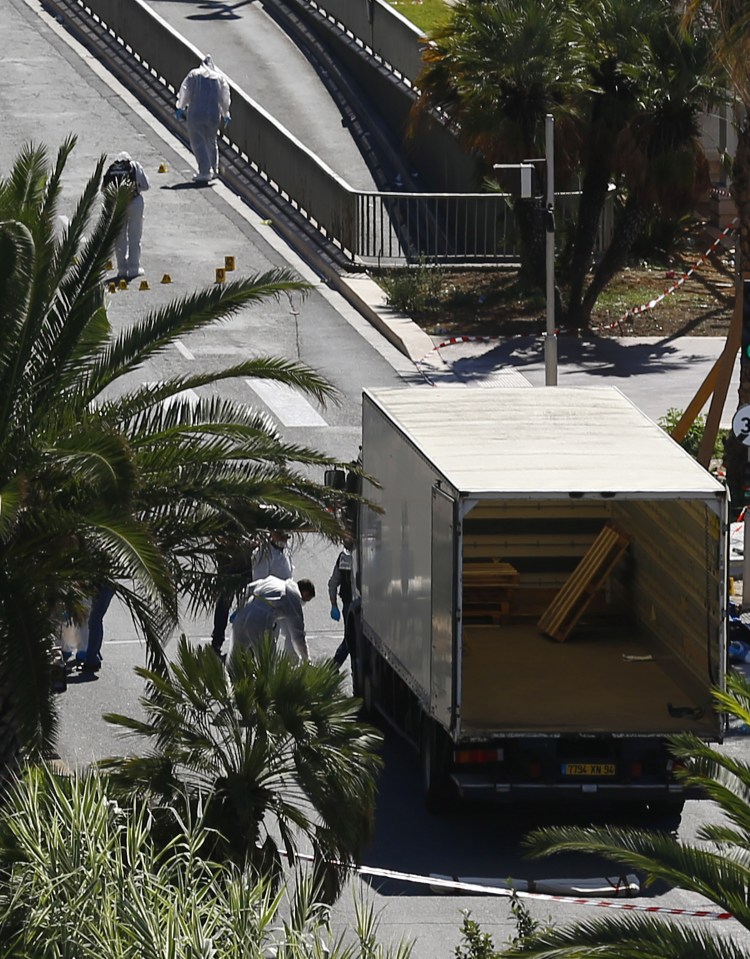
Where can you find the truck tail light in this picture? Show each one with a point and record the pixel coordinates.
(636, 770)
(535, 770)
(473, 756)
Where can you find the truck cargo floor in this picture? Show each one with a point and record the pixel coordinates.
(515, 679)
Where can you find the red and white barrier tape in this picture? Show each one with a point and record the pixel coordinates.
(435, 881)
(646, 307)
(633, 311)
(453, 340)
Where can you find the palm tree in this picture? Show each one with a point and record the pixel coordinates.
(273, 751)
(100, 484)
(715, 865)
(82, 876)
(625, 86)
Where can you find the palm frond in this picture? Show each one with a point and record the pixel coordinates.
(155, 331)
(628, 937)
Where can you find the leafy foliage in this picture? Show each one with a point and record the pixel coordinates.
(626, 86)
(694, 435)
(714, 865)
(270, 750)
(106, 483)
(474, 944)
(421, 289)
(82, 876)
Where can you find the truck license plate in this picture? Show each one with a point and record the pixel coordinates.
(588, 769)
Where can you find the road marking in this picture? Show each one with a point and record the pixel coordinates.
(181, 348)
(190, 395)
(286, 404)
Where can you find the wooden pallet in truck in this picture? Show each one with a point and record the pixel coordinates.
(566, 609)
(488, 588)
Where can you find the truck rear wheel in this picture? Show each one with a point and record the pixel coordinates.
(363, 672)
(434, 755)
(666, 808)
(354, 643)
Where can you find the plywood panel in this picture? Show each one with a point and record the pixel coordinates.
(515, 679)
(676, 582)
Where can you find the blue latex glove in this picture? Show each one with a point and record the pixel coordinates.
(179, 114)
(227, 120)
(335, 613)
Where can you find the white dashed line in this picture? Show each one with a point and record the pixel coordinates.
(181, 348)
(286, 404)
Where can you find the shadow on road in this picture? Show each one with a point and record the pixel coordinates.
(475, 842)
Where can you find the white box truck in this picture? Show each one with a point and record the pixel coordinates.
(540, 591)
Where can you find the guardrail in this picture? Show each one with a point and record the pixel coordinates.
(387, 35)
(369, 228)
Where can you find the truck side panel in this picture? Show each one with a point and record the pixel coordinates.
(396, 552)
(443, 606)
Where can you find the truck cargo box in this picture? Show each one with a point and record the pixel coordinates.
(547, 562)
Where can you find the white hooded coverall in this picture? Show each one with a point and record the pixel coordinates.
(205, 96)
(128, 242)
(273, 601)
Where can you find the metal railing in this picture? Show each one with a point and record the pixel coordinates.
(368, 228)
(382, 30)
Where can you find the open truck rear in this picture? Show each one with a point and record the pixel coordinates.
(541, 591)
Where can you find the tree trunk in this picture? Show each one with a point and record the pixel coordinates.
(631, 224)
(593, 196)
(530, 219)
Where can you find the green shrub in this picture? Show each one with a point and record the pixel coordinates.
(419, 289)
(694, 435)
(81, 876)
(476, 944)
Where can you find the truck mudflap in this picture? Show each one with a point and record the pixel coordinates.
(587, 769)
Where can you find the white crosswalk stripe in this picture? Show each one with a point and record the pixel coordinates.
(287, 404)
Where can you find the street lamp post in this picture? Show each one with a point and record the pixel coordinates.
(518, 180)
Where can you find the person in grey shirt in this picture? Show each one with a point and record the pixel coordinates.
(274, 602)
(273, 558)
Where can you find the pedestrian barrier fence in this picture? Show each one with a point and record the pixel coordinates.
(369, 228)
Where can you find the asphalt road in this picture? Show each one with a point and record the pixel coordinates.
(49, 88)
(259, 56)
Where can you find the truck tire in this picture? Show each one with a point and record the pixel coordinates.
(354, 642)
(369, 684)
(363, 674)
(439, 790)
(667, 808)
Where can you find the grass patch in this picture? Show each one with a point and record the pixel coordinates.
(425, 14)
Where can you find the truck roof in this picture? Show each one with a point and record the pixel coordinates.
(554, 440)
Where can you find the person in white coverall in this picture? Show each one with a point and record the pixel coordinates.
(274, 602)
(204, 97)
(271, 558)
(128, 242)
